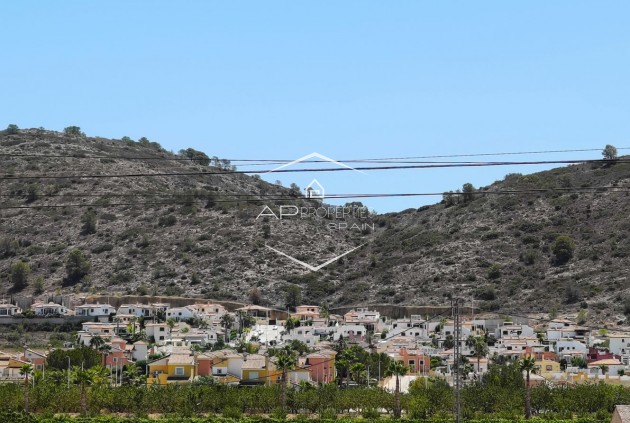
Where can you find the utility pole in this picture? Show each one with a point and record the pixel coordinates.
(457, 380)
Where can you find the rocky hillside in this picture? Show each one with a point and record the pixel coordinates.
(195, 234)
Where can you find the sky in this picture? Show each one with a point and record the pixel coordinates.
(346, 79)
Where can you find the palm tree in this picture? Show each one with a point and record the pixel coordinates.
(397, 368)
(83, 378)
(285, 362)
(357, 368)
(227, 321)
(528, 365)
(480, 349)
(97, 342)
(25, 371)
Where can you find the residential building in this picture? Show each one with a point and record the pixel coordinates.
(180, 313)
(137, 310)
(258, 369)
(208, 310)
(94, 310)
(50, 308)
(158, 332)
(619, 344)
(417, 362)
(321, 366)
(175, 368)
(306, 312)
(363, 316)
(9, 310)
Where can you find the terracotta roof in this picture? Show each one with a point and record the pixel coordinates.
(180, 359)
(254, 362)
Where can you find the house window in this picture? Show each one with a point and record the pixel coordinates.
(179, 371)
(549, 367)
(161, 329)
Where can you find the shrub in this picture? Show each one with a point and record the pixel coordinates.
(32, 193)
(279, 413)
(486, 293)
(494, 271)
(19, 275)
(38, 285)
(169, 220)
(232, 412)
(530, 257)
(562, 249)
(572, 294)
(77, 265)
(371, 414)
(74, 131)
(89, 223)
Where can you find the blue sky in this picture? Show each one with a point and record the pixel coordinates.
(347, 79)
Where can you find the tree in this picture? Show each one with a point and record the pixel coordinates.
(449, 342)
(581, 317)
(448, 199)
(97, 342)
(83, 378)
(610, 152)
(528, 365)
(25, 371)
(292, 323)
(563, 248)
(32, 193)
(285, 362)
(255, 296)
(480, 350)
(227, 321)
(170, 322)
(293, 295)
(196, 156)
(89, 222)
(19, 275)
(12, 129)
(88, 357)
(77, 265)
(468, 192)
(74, 131)
(397, 369)
(357, 369)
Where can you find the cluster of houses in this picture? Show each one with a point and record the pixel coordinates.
(180, 344)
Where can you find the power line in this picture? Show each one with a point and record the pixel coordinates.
(283, 161)
(336, 169)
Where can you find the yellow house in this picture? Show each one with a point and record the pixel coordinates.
(258, 370)
(546, 367)
(175, 368)
(226, 367)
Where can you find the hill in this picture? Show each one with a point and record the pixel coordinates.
(187, 225)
